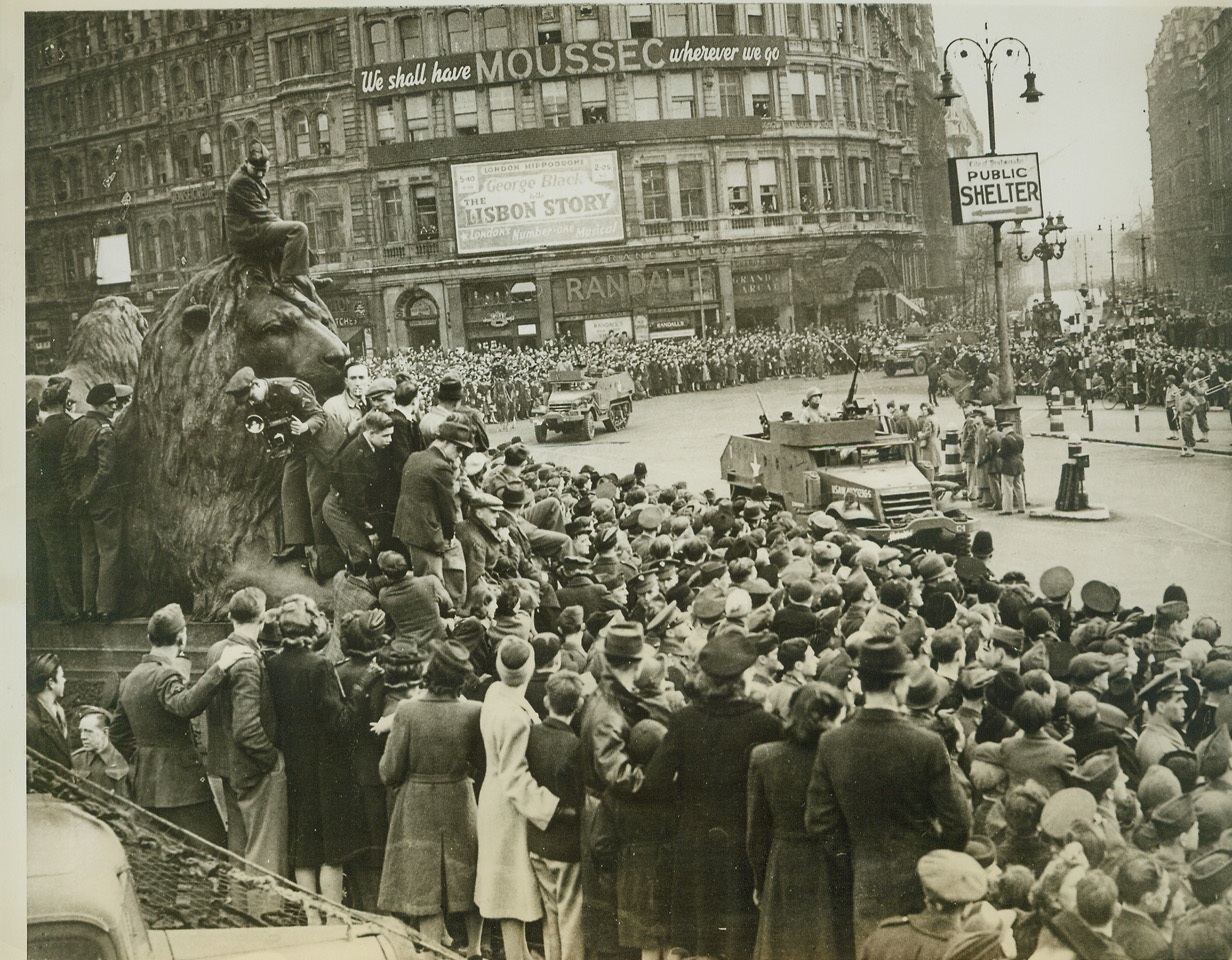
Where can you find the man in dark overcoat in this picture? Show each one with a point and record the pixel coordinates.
(882, 793)
(427, 509)
(152, 730)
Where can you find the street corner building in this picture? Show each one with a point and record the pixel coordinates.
(504, 174)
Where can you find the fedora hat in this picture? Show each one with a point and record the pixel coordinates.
(931, 567)
(727, 654)
(515, 493)
(928, 688)
(885, 656)
(624, 640)
(456, 433)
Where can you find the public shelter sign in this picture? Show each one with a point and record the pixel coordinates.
(560, 61)
(995, 188)
(558, 200)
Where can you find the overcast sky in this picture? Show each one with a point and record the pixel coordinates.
(1090, 128)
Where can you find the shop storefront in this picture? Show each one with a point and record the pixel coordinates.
(762, 297)
(417, 319)
(350, 311)
(660, 300)
(504, 312)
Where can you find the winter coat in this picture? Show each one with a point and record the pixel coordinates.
(433, 753)
(506, 887)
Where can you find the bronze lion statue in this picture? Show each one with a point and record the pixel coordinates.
(104, 348)
(202, 494)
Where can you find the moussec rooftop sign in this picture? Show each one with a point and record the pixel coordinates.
(994, 189)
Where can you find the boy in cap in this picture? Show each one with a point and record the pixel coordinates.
(950, 881)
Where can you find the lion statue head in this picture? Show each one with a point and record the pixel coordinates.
(202, 494)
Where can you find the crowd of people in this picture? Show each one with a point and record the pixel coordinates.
(633, 718)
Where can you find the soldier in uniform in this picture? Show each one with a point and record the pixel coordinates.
(814, 412)
(951, 880)
(1055, 585)
(285, 398)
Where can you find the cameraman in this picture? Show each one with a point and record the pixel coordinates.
(285, 398)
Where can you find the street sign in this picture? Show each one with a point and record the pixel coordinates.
(995, 189)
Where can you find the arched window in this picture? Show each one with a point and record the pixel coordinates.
(299, 134)
(324, 146)
(166, 246)
(181, 158)
(141, 165)
(410, 33)
(100, 169)
(226, 75)
(72, 169)
(199, 91)
(495, 28)
(378, 41)
(147, 249)
(304, 209)
(179, 85)
(247, 77)
(89, 104)
(891, 117)
(59, 181)
(132, 96)
(153, 90)
(205, 154)
(251, 133)
(158, 161)
(458, 26)
(231, 149)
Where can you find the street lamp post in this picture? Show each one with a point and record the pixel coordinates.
(1112, 260)
(701, 298)
(1005, 385)
(1050, 247)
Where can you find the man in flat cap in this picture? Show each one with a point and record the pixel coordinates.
(278, 399)
(254, 231)
(381, 395)
(875, 780)
(1163, 701)
(448, 403)
(950, 881)
(88, 467)
(152, 729)
(427, 507)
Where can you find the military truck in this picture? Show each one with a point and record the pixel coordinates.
(867, 481)
(577, 400)
(918, 348)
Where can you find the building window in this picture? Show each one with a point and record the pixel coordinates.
(231, 150)
(304, 209)
(737, 179)
(378, 41)
(555, 95)
(392, 225)
(549, 34)
(860, 182)
(594, 100)
(817, 17)
(840, 23)
(458, 25)
(197, 70)
(132, 96)
(181, 159)
(806, 183)
(639, 20)
(681, 96)
(329, 231)
(768, 185)
(495, 28)
(857, 27)
(891, 120)
(755, 18)
(646, 97)
(282, 58)
(385, 132)
(501, 117)
(724, 18)
(760, 104)
(896, 194)
(857, 83)
(847, 92)
(141, 164)
(427, 227)
(656, 204)
(675, 20)
(324, 51)
(418, 122)
(248, 76)
(908, 199)
(301, 55)
(325, 146)
(731, 94)
(586, 22)
(205, 155)
(410, 34)
(179, 85)
(549, 25)
(166, 245)
(148, 249)
(692, 180)
(819, 86)
(829, 196)
(226, 75)
(301, 135)
(465, 113)
(799, 98)
(791, 13)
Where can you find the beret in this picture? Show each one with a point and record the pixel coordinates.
(1096, 773)
(101, 393)
(1211, 875)
(952, 876)
(651, 518)
(1064, 808)
(757, 587)
(240, 382)
(165, 625)
(1085, 667)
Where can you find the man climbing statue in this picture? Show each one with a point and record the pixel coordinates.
(256, 232)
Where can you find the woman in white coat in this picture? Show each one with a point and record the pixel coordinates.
(505, 887)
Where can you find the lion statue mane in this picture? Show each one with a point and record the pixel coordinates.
(202, 494)
(104, 348)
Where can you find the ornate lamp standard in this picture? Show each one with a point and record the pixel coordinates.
(1051, 246)
(948, 95)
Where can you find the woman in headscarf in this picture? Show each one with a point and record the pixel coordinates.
(506, 889)
(800, 890)
(322, 797)
(432, 757)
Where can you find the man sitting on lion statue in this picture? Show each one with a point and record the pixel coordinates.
(255, 232)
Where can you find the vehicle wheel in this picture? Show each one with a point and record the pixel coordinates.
(890, 369)
(920, 365)
(619, 418)
(541, 434)
(588, 426)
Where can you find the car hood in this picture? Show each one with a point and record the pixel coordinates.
(885, 477)
(570, 396)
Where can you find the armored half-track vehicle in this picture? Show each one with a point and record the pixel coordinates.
(577, 400)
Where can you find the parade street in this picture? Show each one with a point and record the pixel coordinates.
(1171, 518)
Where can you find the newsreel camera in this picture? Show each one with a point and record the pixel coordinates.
(277, 433)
